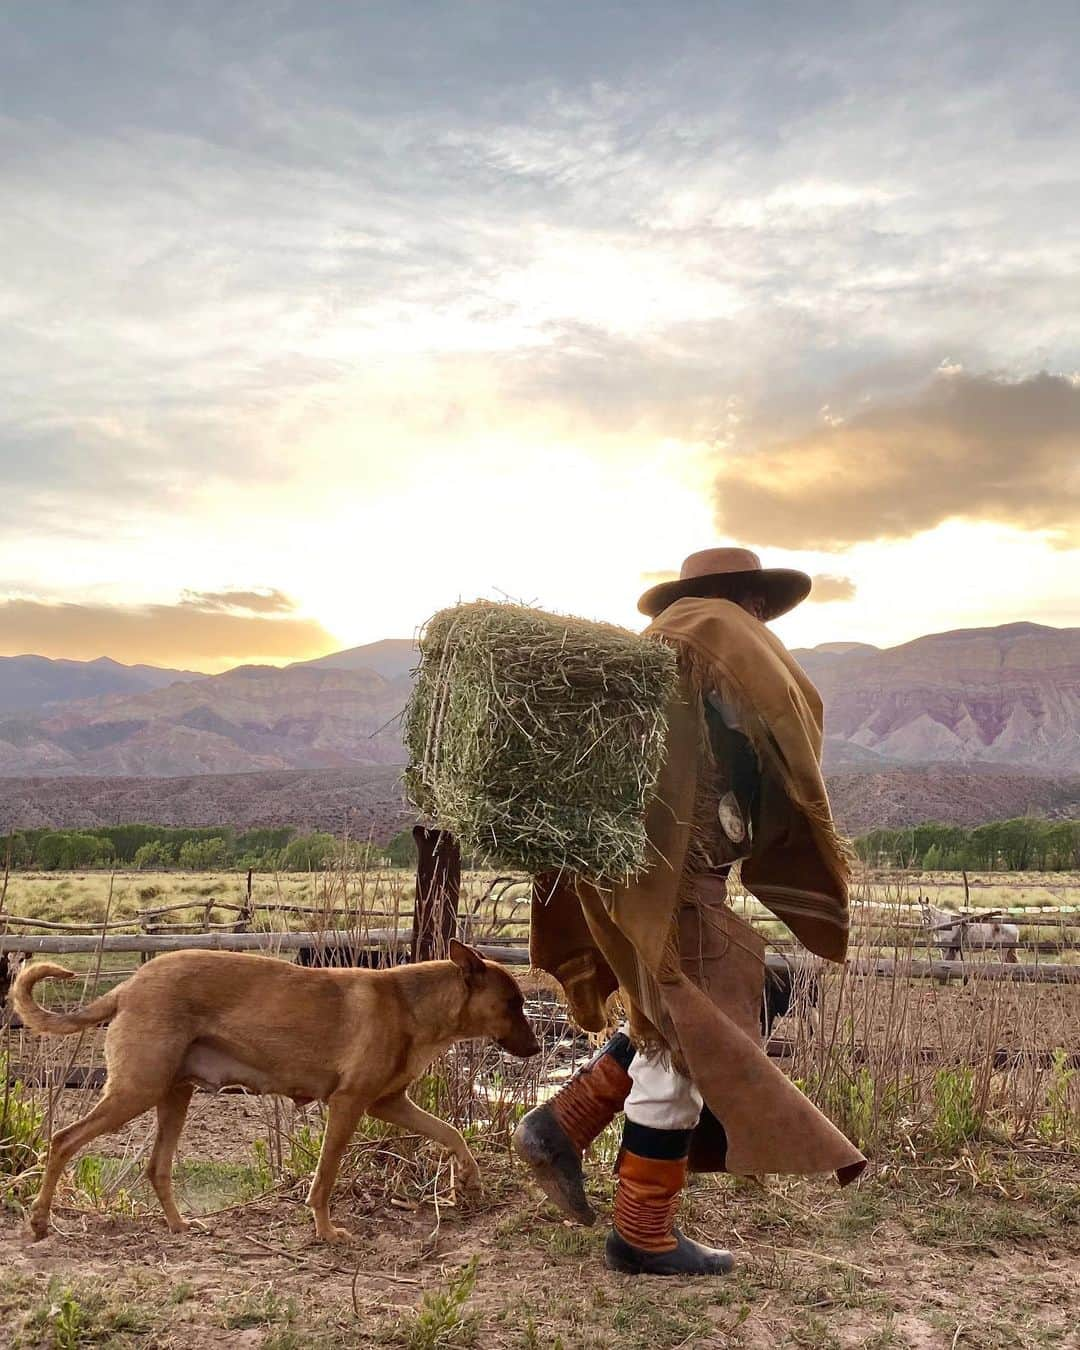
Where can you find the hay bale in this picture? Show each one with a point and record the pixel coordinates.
(537, 739)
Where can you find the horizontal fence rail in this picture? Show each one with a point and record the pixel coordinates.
(360, 939)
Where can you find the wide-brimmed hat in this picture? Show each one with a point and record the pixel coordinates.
(730, 574)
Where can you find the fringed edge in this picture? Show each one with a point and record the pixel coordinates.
(703, 678)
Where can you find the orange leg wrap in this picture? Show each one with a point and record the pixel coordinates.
(647, 1199)
(591, 1100)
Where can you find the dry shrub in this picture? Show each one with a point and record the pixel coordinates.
(900, 1060)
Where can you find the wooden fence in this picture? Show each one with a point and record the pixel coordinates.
(357, 940)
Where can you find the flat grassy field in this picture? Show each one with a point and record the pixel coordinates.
(91, 896)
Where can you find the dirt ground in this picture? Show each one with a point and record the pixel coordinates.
(980, 1251)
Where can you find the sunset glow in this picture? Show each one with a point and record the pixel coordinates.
(375, 320)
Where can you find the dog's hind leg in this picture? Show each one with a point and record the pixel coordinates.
(114, 1110)
(171, 1112)
(399, 1110)
(342, 1119)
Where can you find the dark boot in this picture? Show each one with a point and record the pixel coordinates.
(553, 1137)
(644, 1239)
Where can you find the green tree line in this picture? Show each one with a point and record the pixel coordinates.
(205, 849)
(1020, 845)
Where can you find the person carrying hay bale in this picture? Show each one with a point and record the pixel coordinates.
(628, 774)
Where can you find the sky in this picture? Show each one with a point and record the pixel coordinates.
(316, 318)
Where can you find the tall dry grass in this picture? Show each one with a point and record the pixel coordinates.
(906, 1062)
(904, 1065)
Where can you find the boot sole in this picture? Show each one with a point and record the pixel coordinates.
(632, 1268)
(553, 1182)
(623, 1259)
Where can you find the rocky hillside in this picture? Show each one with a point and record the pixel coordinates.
(252, 718)
(367, 799)
(893, 798)
(1004, 696)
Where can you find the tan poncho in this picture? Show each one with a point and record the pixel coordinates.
(592, 938)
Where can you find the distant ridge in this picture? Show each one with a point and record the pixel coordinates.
(31, 684)
(367, 799)
(391, 658)
(1006, 697)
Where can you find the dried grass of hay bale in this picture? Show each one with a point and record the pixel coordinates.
(537, 739)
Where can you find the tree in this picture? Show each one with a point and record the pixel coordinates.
(64, 850)
(401, 850)
(203, 855)
(15, 851)
(153, 855)
(1016, 844)
(310, 852)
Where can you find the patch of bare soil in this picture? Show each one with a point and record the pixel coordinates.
(979, 1252)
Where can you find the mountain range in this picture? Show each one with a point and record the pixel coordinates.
(36, 683)
(975, 708)
(1008, 695)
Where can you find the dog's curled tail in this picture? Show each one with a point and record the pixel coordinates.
(51, 1023)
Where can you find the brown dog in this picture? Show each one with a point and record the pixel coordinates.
(354, 1039)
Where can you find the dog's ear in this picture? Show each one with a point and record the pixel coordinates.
(468, 960)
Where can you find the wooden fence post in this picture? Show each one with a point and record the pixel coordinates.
(438, 890)
(247, 911)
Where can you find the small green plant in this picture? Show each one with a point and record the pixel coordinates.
(305, 1145)
(441, 1320)
(21, 1135)
(89, 1177)
(957, 1118)
(68, 1321)
(97, 1177)
(431, 1092)
(862, 1105)
(260, 1310)
(1060, 1122)
(258, 1178)
(563, 1241)
(70, 1316)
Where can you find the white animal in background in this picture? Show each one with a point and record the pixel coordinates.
(958, 933)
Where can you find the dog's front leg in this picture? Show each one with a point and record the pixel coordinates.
(343, 1116)
(398, 1110)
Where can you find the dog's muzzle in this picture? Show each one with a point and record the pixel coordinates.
(524, 1046)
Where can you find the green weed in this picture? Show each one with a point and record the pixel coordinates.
(260, 1176)
(957, 1117)
(1060, 1122)
(441, 1321)
(260, 1310)
(305, 1145)
(70, 1316)
(21, 1134)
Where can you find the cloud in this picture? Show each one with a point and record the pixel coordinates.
(972, 447)
(320, 246)
(172, 635)
(255, 602)
(656, 578)
(829, 588)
